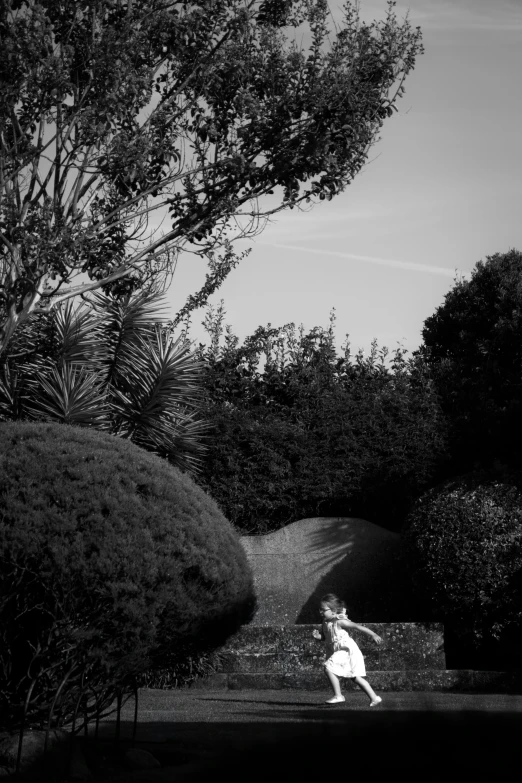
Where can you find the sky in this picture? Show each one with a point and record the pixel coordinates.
(442, 190)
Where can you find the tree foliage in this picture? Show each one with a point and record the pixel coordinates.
(465, 538)
(108, 364)
(300, 431)
(112, 564)
(116, 111)
(473, 343)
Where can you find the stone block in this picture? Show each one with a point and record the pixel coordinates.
(306, 681)
(497, 682)
(405, 646)
(372, 660)
(271, 662)
(360, 561)
(249, 663)
(299, 638)
(443, 680)
(388, 681)
(448, 680)
(408, 659)
(252, 638)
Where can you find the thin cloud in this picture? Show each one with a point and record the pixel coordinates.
(390, 262)
(500, 15)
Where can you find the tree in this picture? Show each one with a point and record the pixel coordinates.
(113, 112)
(109, 365)
(112, 564)
(300, 431)
(473, 343)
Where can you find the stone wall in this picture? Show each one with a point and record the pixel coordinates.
(360, 561)
(411, 657)
(287, 649)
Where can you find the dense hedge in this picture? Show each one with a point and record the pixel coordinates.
(301, 431)
(112, 563)
(465, 538)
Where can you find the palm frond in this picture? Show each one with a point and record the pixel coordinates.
(33, 342)
(156, 404)
(126, 323)
(161, 379)
(71, 395)
(79, 332)
(9, 394)
(180, 440)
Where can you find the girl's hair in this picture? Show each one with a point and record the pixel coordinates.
(333, 601)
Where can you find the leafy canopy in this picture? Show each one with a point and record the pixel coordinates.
(473, 343)
(114, 113)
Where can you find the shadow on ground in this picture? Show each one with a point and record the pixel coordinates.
(307, 744)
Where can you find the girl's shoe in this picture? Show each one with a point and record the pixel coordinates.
(335, 700)
(375, 702)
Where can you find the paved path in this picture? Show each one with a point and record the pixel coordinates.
(293, 736)
(300, 706)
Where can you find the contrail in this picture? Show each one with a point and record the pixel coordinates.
(434, 270)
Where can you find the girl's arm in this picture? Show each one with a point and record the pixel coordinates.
(348, 624)
(319, 634)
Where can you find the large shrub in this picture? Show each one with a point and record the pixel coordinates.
(465, 538)
(113, 563)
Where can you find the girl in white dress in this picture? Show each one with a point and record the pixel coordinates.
(344, 656)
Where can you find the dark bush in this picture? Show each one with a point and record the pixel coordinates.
(113, 563)
(465, 539)
(473, 344)
(299, 431)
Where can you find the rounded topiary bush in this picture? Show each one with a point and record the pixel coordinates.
(465, 542)
(112, 563)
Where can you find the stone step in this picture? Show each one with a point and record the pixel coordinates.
(459, 680)
(291, 649)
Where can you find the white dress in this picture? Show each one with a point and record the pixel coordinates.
(344, 656)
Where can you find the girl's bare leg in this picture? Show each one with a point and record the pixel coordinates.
(334, 682)
(366, 687)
